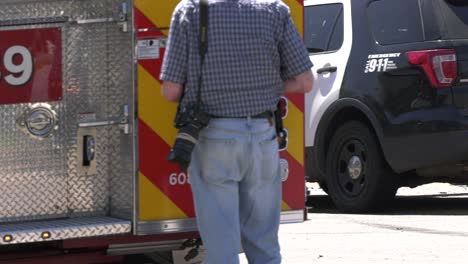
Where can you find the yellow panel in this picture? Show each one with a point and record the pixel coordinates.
(152, 104)
(297, 13)
(295, 121)
(285, 206)
(158, 11)
(154, 110)
(154, 205)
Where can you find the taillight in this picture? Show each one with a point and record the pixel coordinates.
(440, 66)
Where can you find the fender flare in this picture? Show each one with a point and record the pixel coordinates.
(318, 159)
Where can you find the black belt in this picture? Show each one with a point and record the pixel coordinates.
(266, 114)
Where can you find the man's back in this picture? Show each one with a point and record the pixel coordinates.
(243, 72)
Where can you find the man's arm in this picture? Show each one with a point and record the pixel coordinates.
(301, 83)
(172, 91)
(295, 63)
(175, 64)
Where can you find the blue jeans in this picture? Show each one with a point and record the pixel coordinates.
(236, 184)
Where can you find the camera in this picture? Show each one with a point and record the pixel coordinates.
(190, 121)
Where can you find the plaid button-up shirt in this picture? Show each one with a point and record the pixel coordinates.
(253, 46)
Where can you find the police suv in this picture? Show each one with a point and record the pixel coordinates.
(390, 103)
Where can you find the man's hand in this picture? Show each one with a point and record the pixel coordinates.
(301, 83)
(172, 91)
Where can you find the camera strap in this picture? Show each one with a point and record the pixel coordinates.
(203, 45)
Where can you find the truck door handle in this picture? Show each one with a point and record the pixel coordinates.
(122, 121)
(327, 69)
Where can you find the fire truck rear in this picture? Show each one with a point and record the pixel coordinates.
(85, 133)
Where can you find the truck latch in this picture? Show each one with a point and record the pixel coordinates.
(121, 121)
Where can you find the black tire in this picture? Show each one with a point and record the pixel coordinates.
(354, 188)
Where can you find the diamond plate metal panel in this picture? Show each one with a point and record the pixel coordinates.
(121, 186)
(104, 69)
(91, 193)
(32, 171)
(40, 179)
(64, 229)
(75, 9)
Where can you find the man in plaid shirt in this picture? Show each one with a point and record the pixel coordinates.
(255, 55)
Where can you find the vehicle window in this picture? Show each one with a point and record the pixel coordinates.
(336, 40)
(395, 21)
(431, 20)
(323, 27)
(453, 14)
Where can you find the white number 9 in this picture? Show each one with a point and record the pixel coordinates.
(25, 69)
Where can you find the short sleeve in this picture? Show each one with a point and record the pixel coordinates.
(293, 53)
(175, 63)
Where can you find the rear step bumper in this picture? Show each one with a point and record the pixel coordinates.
(94, 227)
(190, 224)
(62, 229)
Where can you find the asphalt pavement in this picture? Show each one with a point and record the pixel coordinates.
(428, 224)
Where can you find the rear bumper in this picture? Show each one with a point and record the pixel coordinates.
(446, 144)
(190, 224)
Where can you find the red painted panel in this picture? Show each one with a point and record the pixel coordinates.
(145, 27)
(294, 187)
(30, 65)
(153, 164)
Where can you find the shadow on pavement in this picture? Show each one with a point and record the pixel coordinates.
(439, 204)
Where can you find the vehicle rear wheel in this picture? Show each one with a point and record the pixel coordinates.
(358, 177)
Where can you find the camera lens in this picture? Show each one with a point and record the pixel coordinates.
(182, 151)
(190, 121)
(177, 158)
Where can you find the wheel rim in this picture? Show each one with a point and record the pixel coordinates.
(352, 167)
